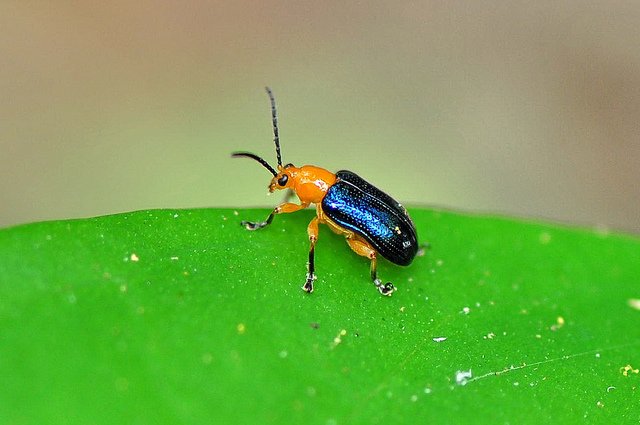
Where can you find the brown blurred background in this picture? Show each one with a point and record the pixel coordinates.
(526, 108)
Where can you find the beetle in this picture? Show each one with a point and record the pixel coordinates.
(371, 221)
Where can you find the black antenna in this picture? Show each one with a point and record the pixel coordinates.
(264, 163)
(276, 137)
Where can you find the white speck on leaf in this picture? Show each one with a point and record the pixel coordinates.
(463, 376)
(559, 323)
(634, 303)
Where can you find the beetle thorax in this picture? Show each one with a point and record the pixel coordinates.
(310, 183)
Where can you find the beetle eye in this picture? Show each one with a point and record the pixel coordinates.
(282, 181)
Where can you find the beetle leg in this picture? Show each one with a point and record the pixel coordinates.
(386, 289)
(255, 225)
(313, 231)
(286, 207)
(361, 247)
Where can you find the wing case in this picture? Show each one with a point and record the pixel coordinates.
(353, 203)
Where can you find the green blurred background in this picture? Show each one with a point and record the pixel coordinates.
(526, 108)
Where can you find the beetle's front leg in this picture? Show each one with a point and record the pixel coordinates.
(286, 207)
(312, 231)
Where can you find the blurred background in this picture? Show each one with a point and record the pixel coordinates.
(523, 108)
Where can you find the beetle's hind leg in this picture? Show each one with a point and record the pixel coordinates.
(385, 289)
(361, 247)
(313, 231)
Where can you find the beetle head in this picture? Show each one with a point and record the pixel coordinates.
(284, 178)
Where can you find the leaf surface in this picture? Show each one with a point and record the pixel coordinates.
(182, 316)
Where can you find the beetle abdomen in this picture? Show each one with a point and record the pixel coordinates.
(357, 205)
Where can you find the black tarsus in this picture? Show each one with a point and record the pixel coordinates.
(384, 288)
(311, 275)
(255, 225)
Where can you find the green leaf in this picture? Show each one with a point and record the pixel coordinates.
(183, 316)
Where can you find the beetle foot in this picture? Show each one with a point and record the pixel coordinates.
(385, 289)
(253, 225)
(308, 285)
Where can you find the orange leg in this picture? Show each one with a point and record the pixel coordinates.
(362, 247)
(286, 207)
(312, 231)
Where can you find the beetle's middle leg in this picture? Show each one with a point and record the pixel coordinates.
(313, 231)
(363, 248)
(286, 207)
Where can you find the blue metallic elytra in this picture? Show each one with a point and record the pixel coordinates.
(371, 221)
(357, 205)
